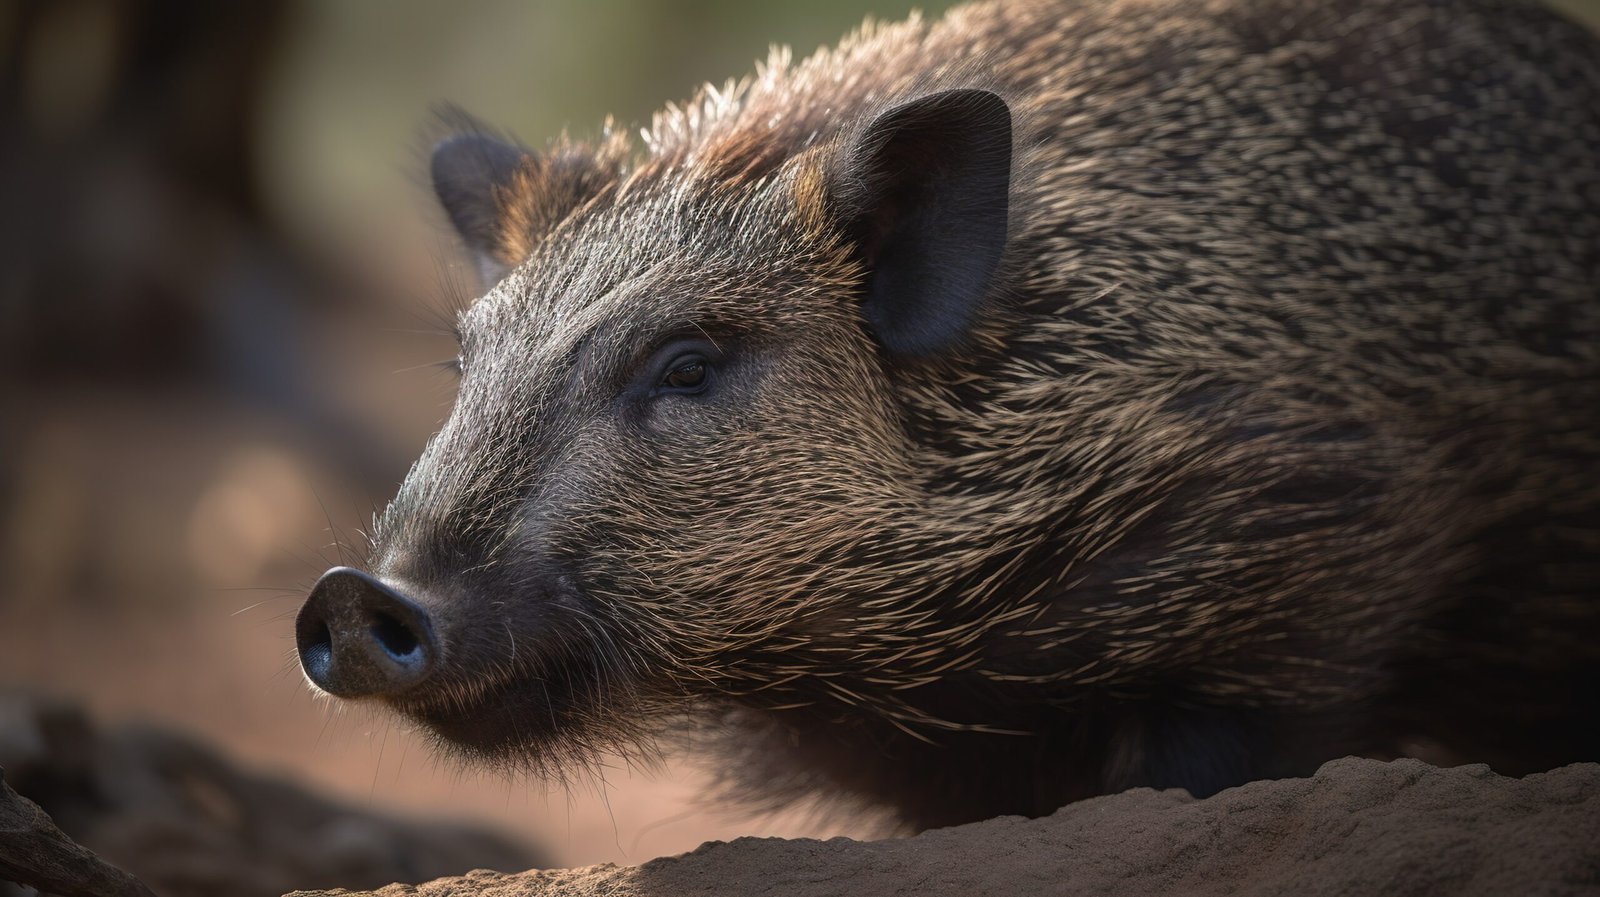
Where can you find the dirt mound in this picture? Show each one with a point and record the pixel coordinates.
(1356, 827)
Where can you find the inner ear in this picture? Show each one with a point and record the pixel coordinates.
(474, 175)
(927, 186)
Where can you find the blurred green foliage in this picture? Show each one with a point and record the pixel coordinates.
(347, 114)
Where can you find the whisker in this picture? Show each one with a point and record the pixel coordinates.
(332, 530)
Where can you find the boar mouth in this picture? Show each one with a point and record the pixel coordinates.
(510, 714)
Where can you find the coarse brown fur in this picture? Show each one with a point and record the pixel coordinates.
(1274, 439)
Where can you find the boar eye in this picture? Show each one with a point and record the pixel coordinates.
(686, 374)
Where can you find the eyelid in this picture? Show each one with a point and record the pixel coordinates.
(674, 347)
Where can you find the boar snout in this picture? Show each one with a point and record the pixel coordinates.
(359, 637)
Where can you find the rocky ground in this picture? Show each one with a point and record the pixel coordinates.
(1357, 827)
(189, 822)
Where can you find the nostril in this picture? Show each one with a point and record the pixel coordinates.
(315, 643)
(317, 658)
(395, 637)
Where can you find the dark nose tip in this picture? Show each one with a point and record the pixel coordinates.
(360, 638)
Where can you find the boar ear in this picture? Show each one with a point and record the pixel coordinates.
(927, 187)
(473, 176)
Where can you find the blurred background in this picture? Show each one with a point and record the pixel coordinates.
(222, 281)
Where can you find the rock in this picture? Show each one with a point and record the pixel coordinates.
(36, 853)
(1357, 827)
(186, 821)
